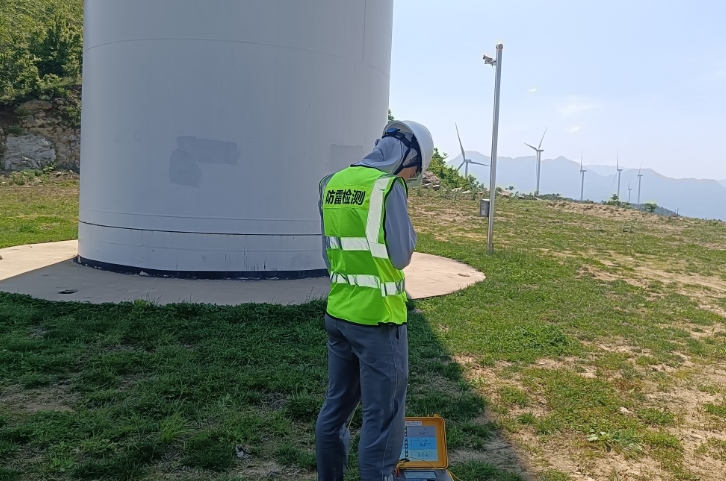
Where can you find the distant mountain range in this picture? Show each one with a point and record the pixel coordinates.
(699, 198)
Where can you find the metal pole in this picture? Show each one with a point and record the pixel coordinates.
(539, 154)
(495, 138)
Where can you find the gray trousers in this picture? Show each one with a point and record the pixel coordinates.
(370, 365)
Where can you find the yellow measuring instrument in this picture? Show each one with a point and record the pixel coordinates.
(423, 455)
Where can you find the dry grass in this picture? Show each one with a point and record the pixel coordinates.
(665, 281)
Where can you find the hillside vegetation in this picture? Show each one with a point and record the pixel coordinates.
(40, 48)
(594, 350)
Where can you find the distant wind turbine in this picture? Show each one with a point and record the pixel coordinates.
(640, 178)
(582, 182)
(466, 161)
(539, 151)
(619, 172)
(629, 189)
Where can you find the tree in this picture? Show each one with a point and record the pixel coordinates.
(18, 74)
(391, 118)
(58, 49)
(40, 47)
(614, 200)
(449, 176)
(650, 207)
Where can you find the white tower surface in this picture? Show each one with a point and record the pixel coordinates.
(208, 124)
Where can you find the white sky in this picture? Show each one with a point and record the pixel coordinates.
(645, 77)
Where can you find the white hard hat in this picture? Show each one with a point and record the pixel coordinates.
(425, 142)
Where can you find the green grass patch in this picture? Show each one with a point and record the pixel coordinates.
(469, 435)
(512, 396)
(209, 450)
(716, 409)
(656, 417)
(40, 209)
(715, 448)
(526, 418)
(481, 471)
(662, 440)
(627, 440)
(188, 382)
(554, 475)
(291, 455)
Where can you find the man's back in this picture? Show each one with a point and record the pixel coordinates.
(361, 272)
(400, 236)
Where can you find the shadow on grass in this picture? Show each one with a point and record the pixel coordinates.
(138, 391)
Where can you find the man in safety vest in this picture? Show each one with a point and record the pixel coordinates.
(367, 241)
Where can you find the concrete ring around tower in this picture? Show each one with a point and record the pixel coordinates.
(48, 271)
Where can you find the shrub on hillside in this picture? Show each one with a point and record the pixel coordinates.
(650, 207)
(40, 48)
(449, 176)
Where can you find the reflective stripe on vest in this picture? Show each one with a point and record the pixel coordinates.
(373, 282)
(357, 244)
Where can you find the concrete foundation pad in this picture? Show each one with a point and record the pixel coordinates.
(47, 271)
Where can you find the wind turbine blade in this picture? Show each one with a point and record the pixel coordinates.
(478, 163)
(462, 165)
(530, 146)
(463, 153)
(580, 160)
(543, 136)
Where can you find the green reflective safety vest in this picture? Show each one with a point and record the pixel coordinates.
(365, 288)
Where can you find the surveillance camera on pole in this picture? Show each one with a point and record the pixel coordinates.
(495, 137)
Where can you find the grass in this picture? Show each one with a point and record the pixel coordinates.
(716, 409)
(141, 384)
(37, 207)
(578, 344)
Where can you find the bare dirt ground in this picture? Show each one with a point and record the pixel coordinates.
(56, 398)
(531, 455)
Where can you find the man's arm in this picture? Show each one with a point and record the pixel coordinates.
(323, 183)
(400, 236)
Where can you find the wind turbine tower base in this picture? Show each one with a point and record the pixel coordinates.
(207, 127)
